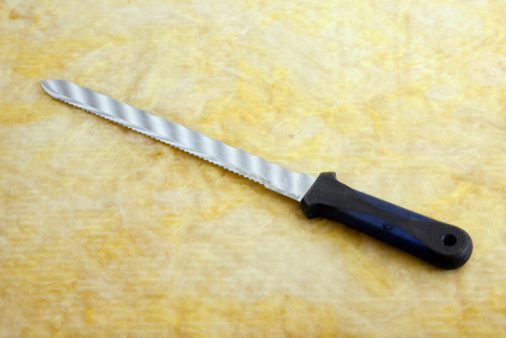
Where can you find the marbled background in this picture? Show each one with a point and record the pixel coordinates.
(105, 232)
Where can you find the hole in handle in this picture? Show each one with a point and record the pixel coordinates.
(449, 240)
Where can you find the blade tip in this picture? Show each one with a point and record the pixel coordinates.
(52, 87)
(46, 85)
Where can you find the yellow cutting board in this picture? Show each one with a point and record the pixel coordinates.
(105, 232)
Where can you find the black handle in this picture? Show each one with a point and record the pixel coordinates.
(438, 243)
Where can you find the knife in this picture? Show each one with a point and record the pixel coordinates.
(441, 244)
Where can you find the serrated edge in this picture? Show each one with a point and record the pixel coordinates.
(46, 85)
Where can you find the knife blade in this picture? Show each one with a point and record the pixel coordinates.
(441, 244)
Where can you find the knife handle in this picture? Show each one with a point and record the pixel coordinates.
(443, 245)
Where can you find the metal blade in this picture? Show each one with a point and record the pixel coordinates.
(273, 176)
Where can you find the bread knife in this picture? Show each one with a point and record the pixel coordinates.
(441, 244)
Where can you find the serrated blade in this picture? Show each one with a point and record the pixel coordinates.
(273, 176)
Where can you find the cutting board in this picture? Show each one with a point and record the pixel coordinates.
(105, 232)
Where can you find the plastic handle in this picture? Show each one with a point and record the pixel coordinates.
(443, 245)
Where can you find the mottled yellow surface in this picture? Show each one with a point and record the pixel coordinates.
(105, 232)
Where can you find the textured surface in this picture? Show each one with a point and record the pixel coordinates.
(106, 232)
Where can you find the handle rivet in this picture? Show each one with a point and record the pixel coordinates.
(387, 226)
